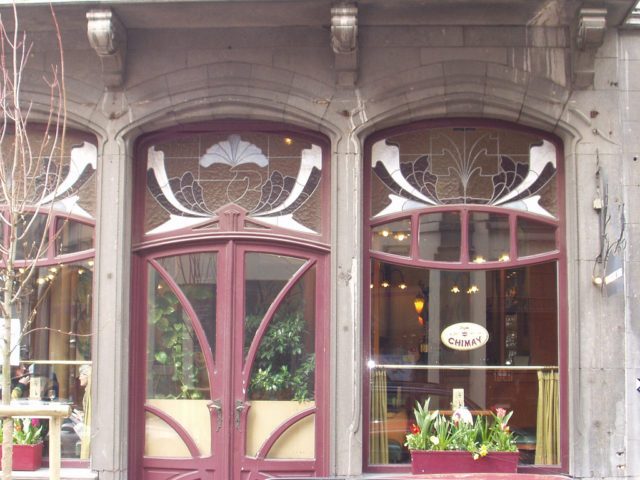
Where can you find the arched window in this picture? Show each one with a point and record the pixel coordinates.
(53, 217)
(464, 235)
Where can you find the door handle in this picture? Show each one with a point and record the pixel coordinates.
(216, 406)
(240, 406)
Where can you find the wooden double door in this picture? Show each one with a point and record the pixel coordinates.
(229, 362)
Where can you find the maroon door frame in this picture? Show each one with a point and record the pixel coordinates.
(276, 240)
(226, 381)
(561, 258)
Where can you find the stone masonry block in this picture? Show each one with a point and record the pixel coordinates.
(484, 54)
(508, 74)
(410, 36)
(272, 75)
(383, 62)
(187, 79)
(629, 74)
(606, 75)
(490, 36)
(630, 110)
(629, 42)
(550, 63)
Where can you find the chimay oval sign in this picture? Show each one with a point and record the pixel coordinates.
(464, 336)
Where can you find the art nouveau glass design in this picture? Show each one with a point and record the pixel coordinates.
(463, 236)
(274, 178)
(478, 166)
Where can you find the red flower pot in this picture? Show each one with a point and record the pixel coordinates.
(423, 461)
(26, 457)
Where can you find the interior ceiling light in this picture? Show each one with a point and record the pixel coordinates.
(504, 257)
(479, 259)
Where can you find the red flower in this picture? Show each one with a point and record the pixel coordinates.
(35, 422)
(415, 429)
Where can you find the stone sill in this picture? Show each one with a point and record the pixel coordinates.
(65, 474)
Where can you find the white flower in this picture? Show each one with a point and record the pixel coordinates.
(463, 415)
(435, 440)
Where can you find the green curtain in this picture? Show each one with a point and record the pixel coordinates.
(548, 422)
(379, 445)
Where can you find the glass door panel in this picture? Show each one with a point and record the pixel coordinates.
(180, 338)
(279, 342)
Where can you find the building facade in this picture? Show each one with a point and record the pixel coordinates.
(293, 205)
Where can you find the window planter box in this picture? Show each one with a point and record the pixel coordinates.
(26, 457)
(423, 461)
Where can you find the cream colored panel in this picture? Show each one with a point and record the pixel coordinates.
(267, 415)
(193, 415)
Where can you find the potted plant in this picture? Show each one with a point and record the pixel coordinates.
(27, 444)
(460, 443)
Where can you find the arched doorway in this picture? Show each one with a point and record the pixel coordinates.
(229, 294)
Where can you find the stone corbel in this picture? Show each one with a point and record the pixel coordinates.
(108, 37)
(592, 24)
(344, 42)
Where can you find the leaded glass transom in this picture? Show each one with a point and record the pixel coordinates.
(274, 178)
(464, 165)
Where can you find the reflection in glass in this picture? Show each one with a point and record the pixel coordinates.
(32, 237)
(519, 309)
(535, 237)
(284, 365)
(61, 297)
(394, 237)
(196, 275)
(175, 363)
(488, 237)
(73, 236)
(440, 237)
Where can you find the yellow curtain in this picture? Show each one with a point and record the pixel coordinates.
(548, 422)
(379, 445)
(85, 438)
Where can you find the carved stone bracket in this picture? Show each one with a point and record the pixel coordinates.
(344, 42)
(108, 37)
(591, 27)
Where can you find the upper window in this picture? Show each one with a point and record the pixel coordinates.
(274, 177)
(464, 166)
(463, 236)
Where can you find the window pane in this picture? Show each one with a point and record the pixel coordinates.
(412, 360)
(30, 236)
(535, 237)
(284, 364)
(175, 363)
(440, 237)
(61, 296)
(73, 237)
(488, 237)
(394, 237)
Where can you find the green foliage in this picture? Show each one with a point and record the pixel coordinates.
(282, 370)
(26, 431)
(434, 431)
(172, 335)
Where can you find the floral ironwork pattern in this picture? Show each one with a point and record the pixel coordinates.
(245, 176)
(463, 169)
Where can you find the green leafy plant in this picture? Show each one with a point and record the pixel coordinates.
(479, 436)
(282, 370)
(175, 347)
(26, 431)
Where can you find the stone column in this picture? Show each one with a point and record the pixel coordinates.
(111, 312)
(346, 214)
